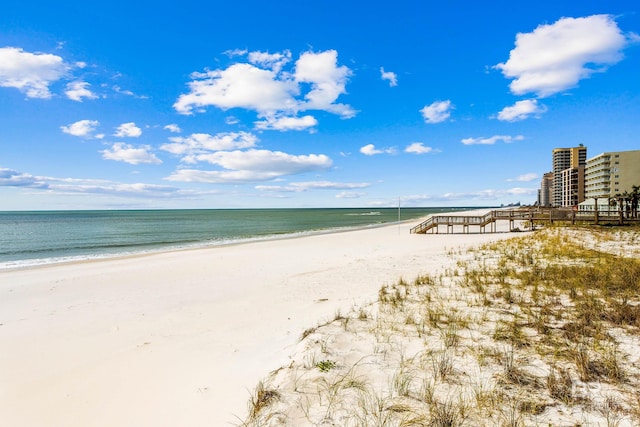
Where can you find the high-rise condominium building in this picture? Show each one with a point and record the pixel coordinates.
(568, 175)
(608, 174)
(572, 186)
(546, 190)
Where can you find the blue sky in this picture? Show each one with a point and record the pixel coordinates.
(307, 104)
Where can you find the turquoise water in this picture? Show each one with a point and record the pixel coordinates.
(36, 238)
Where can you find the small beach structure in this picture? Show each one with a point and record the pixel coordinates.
(529, 216)
(490, 218)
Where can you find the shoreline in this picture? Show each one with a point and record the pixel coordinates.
(194, 245)
(181, 337)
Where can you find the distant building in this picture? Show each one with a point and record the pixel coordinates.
(545, 194)
(610, 174)
(568, 175)
(572, 186)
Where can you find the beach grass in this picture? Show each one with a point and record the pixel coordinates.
(542, 329)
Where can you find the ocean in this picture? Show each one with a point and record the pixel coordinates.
(46, 237)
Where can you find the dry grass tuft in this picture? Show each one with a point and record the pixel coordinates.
(560, 385)
(261, 399)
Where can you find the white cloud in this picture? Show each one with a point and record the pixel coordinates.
(122, 152)
(12, 178)
(268, 161)
(329, 185)
(82, 128)
(328, 82)
(527, 177)
(474, 196)
(390, 76)
(235, 52)
(371, 150)
(522, 110)
(298, 187)
(273, 61)
(127, 92)
(252, 165)
(419, 148)
(218, 177)
(555, 57)
(78, 90)
(262, 86)
(128, 130)
(350, 195)
(437, 112)
(173, 128)
(198, 144)
(287, 123)
(239, 86)
(491, 140)
(31, 73)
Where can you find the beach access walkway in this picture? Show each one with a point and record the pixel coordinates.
(530, 216)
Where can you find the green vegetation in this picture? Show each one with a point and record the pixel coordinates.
(325, 365)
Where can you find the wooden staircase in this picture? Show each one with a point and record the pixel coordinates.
(433, 222)
(531, 215)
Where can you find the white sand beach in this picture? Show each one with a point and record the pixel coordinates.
(181, 338)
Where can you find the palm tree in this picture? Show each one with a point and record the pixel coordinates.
(612, 204)
(619, 201)
(635, 195)
(627, 203)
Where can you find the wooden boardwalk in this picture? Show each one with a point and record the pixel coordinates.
(531, 217)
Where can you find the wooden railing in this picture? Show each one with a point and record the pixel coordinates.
(532, 215)
(451, 220)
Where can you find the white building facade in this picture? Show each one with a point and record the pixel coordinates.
(608, 175)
